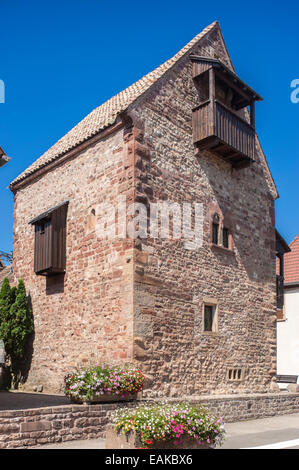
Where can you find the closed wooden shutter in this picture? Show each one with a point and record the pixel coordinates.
(50, 241)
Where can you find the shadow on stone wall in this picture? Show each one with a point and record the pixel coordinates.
(55, 284)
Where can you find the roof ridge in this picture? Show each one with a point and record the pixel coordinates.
(105, 114)
(295, 239)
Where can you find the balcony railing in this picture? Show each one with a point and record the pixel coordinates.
(223, 132)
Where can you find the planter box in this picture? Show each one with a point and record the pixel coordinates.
(105, 399)
(116, 440)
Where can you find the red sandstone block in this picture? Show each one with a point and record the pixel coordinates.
(35, 426)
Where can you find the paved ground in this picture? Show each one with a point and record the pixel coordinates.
(22, 401)
(280, 432)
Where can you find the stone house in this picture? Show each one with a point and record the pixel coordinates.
(196, 321)
(288, 318)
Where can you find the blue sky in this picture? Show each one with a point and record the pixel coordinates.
(61, 59)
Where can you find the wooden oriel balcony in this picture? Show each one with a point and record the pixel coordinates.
(218, 126)
(220, 130)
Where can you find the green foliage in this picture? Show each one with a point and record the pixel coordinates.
(6, 300)
(170, 421)
(16, 319)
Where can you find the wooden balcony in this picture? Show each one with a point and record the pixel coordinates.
(220, 130)
(217, 124)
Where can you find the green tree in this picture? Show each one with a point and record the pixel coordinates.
(5, 300)
(21, 322)
(16, 319)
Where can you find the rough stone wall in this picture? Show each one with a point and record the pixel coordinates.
(85, 316)
(34, 427)
(172, 283)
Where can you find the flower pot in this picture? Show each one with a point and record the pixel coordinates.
(104, 399)
(131, 440)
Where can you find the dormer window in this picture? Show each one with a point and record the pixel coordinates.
(50, 241)
(220, 123)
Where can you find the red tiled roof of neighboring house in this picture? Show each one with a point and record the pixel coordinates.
(291, 263)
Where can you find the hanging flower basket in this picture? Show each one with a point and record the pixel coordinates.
(100, 384)
(164, 426)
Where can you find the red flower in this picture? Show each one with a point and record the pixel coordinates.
(149, 441)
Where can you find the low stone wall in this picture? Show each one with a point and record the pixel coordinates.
(255, 406)
(28, 428)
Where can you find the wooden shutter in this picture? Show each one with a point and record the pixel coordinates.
(43, 246)
(50, 241)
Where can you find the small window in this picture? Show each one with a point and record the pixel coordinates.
(215, 229)
(235, 374)
(225, 241)
(210, 320)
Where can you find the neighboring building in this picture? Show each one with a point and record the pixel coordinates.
(195, 320)
(281, 249)
(3, 157)
(4, 270)
(288, 320)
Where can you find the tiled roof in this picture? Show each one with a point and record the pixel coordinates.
(291, 263)
(106, 114)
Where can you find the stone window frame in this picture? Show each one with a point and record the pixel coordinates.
(224, 221)
(210, 302)
(232, 379)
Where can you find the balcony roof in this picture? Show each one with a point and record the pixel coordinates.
(46, 214)
(224, 71)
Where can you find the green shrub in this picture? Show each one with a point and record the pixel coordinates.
(16, 319)
(6, 300)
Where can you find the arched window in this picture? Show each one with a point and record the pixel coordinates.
(215, 229)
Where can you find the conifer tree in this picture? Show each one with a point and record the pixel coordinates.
(16, 322)
(5, 300)
(21, 322)
(5, 306)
